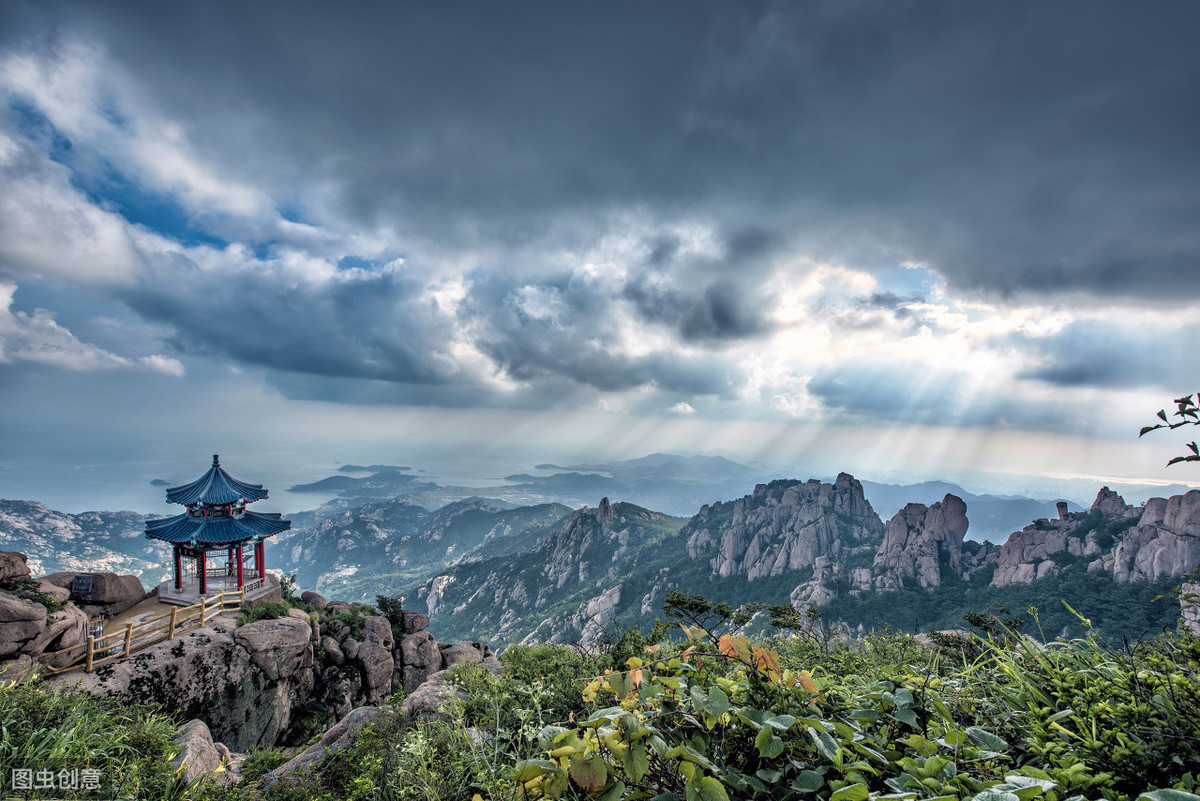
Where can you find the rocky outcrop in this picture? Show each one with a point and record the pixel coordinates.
(1129, 543)
(784, 526)
(1189, 603)
(27, 629)
(241, 681)
(199, 756)
(339, 737)
(1110, 503)
(314, 598)
(13, 565)
(21, 622)
(1165, 542)
(109, 595)
(922, 545)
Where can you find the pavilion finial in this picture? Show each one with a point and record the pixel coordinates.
(216, 460)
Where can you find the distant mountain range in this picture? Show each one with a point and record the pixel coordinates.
(538, 557)
(675, 485)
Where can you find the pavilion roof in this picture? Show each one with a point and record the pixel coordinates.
(215, 487)
(185, 529)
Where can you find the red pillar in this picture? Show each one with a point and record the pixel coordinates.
(178, 570)
(200, 568)
(239, 565)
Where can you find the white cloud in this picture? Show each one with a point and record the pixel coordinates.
(38, 338)
(48, 228)
(682, 408)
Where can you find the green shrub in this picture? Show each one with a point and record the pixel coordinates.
(30, 590)
(354, 617)
(129, 744)
(271, 610)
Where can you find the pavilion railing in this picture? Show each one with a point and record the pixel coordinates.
(219, 576)
(135, 636)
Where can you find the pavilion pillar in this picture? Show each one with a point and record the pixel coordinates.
(258, 558)
(239, 566)
(200, 570)
(178, 570)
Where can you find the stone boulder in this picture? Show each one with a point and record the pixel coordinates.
(337, 607)
(199, 756)
(375, 657)
(64, 629)
(110, 594)
(60, 594)
(412, 622)
(314, 598)
(920, 542)
(277, 647)
(340, 736)
(419, 657)
(1110, 503)
(21, 622)
(18, 670)
(242, 682)
(429, 698)
(12, 565)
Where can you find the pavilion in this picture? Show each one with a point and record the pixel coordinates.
(216, 526)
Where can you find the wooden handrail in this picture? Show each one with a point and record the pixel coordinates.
(149, 632)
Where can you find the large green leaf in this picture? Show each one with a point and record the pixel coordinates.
(636, 761)
(851, 792)
(1169, 795)
(590, 774)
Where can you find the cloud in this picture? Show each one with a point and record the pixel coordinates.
(920, 392)
(36, 337)
(1117, 355)
(855, 134)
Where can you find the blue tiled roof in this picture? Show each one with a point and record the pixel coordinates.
(215, 531)
(215, 487)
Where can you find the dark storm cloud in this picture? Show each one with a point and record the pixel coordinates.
(377, 326)
(1015, 148)
(572, 329)
(1116, 356)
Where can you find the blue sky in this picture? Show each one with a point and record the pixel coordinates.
(904, 240)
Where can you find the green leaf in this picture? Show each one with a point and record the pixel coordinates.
(613, 793)
(769, 776)
(763, 739)
(809, 781)
(547, 736)
(907, 716)
(637, 762)
(987, 739)
(712, 790)
(993, 794)
(718, 702)
(826, 747)
(1169, 795)
(590, 774)
(852, 792)
(781, 722)
(755, 718)
(528, 769)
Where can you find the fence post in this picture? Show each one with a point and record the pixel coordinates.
(242, 599)
(171, 632)
(91, 641)
(203, 607)
(128, 636)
